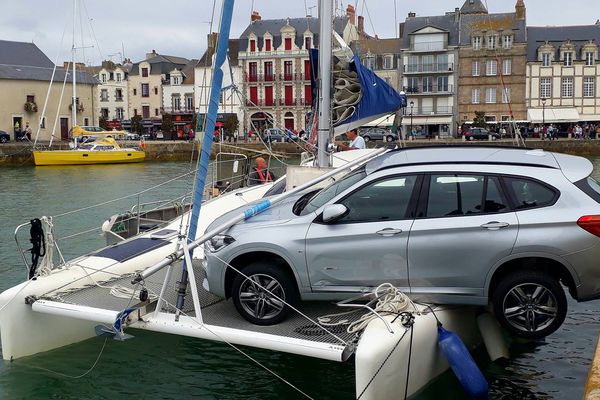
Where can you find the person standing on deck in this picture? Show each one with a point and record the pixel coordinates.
(260, 174)
(356, 142)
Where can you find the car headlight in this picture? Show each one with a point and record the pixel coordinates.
(217, 242)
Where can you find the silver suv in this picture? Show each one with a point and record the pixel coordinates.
(495, 226)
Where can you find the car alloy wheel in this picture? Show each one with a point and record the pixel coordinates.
(530, 304)
(261, 297)
(389, 139)
(366, 138)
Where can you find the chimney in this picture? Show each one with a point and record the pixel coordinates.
(520, 10)
(255, 16)
(412, 15)
(151, 55)
(401, 32)
(361, 24)
(211, 40)
(456, 15)
(351, 14)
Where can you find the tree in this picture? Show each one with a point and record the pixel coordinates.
(479, 120)
(136, 123)
(103, 122)
(231, 124)
(167, 123)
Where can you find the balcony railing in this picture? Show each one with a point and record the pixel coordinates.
(275, 77)
(429, 89)
(279, 102)
(420, 111)
(177, 110)
(430, 46)
(435, 67)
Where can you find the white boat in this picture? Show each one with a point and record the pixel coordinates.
(142, 282)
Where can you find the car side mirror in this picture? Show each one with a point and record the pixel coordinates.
(331, 212)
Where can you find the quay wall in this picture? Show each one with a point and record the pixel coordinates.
(16, 154)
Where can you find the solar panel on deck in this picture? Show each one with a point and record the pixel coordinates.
(125, 251)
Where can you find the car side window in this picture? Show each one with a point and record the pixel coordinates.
(495, 201)
(383, 200)
(453, 195)
(530, 194)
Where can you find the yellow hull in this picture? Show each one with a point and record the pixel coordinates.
(80, 157)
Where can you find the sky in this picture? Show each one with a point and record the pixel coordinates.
(180, 28)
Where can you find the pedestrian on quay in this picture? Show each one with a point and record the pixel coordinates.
(28, 131)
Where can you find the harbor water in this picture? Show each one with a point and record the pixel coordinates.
(161, 366)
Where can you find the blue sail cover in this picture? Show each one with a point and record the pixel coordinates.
(378, 99)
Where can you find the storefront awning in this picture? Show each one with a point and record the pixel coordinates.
(553, 115)
(589, 117)
(385, 121)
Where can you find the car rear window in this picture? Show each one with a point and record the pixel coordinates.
(590, 187)
(530, 194)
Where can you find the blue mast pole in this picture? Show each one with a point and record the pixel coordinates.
(211, 119)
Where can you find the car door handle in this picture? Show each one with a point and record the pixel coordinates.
(387, 232)
(495, 225)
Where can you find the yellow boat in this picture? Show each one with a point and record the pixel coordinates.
(100, 151)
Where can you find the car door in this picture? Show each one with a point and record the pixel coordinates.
(464, 226)
(367, 246)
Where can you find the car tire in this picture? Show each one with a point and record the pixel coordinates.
(3, 139)
(471, 138)
(257, 301)
(389, 139)
(530, 304)
(366, 138)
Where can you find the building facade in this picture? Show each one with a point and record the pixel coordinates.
(563, 68)
(112, 94)
(429, 74)
(178, 97)
(145, 86)
(24, 80)
(492, 65)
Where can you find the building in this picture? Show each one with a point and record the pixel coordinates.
(492, 65)
(274, 61)
(429, 73)
(111, 93)
(563, 68)
(145, 87)
(25, 74)
(178, 97)
(382, 56)
(230, 100)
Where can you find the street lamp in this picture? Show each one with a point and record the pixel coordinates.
(412, 104)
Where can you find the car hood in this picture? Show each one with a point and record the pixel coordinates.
(277, 214)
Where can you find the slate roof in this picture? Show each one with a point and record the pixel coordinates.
(188, 72)
(232, 51)
(443, 22)
(473, 7)
(557, 35)
(160, 64)
(273, 26)
(496, 22)
(378, 46)
(25, 61)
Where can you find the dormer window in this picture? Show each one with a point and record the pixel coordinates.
(144, 72)
(252, 45)
(567, 59)
(476, 42)
(103, 78)
(288, 44)
(175, 80)
(388, 61)
(546, 59)
(307, 42)
(507, 41)
(589, 58)
(267, 44)
(491, 42)
(118, 75)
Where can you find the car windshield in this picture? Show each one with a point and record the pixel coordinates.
(333, 190)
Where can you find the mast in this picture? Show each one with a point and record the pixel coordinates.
(324, 107)
(74, 100)
(211, 120)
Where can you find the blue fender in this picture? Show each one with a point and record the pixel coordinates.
(464, 367)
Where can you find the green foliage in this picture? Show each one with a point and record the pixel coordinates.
(231, 124)
(479, 120)
(136, 123)
(167, 123)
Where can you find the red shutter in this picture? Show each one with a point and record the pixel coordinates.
(289, 95)
(306, 69)
(253, 45)
(307, 95)
(252, 71)
(268, 95)
(267, 44)
(288, 43)
(253, 95)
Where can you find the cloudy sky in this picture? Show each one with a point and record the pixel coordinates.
(180, 28)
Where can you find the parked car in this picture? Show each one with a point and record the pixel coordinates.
(378, 134)
(274, 135)
(481, 134)
(132, 136)
(4, 137)
(506, 227)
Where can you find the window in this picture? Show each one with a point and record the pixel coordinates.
(252, 72)
(145, 72)
(30, 98)
(103, 78)
(506, 95)
(427, 84)
(530, 194)
(111, 76)
(476, 42)
(490, 95)
(252, 45)
(175, 80)
(104, 95)
(475, 68)
(269, 96)
(491, 42)
(413, 64)
(413, 85)
(567, 59)
(135, 111)
(475, 94)
(384, 200)
(155, 90)
(267, 44)
(442, 84)
(567, 87)
(118, 77)
(588, 86)
(189, 103)
(388, 62)
(176, 102)
(268, 71)
(119, 94)
(459, 195)
(545, 88)
(120, 114)
(428, 63)
(442, 63)
(288, 43)
(156, 112)
(307, 43)
(491, 67)
(429, 42)
(104, 112)
(589, 58)
(145, 111)
(546, 59)
(145, 90)
(287, 71)
(134, 91)
(507, 67)
(507, 41)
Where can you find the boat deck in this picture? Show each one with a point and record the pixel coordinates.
(216, 312)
